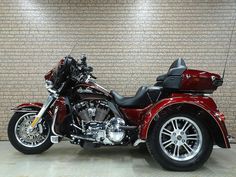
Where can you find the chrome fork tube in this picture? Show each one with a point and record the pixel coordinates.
(50, 100)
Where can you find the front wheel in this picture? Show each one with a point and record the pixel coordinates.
(25, 141)
(180, 143)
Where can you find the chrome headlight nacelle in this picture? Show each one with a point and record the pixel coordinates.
(49, 87)
(48, 84)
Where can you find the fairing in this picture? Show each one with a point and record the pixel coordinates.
(53, 72)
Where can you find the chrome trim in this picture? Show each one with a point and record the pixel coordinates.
(113, 131)
(175, 140)
(48, 102)
(87, 79)
(48, 84)
(83, 138)
(54, 92)
(54, 139)
(21, 139)
(127, 127)
(138, 141)
(77, 127)
(53, 123)
(26, 111)
(99, 86)
(87, 90)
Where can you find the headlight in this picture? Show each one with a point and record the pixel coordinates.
(49, 87)
(48, 84)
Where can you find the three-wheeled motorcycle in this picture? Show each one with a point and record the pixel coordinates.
(175, 117)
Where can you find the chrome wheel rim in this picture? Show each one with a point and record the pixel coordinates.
(180, 138)
(33, 138)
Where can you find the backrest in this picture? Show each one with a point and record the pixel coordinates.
(177, 68)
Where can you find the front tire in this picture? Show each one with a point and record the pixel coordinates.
(34, 142)
(179, 143)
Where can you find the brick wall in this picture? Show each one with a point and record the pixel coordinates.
(128, 43)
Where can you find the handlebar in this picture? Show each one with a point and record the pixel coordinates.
(92, 76)
(84, 70)
(83, 60)
(87, 69)
(52, 91)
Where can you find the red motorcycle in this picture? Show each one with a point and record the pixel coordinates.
(176, 118)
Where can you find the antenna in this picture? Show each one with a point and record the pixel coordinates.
(230, 41)
(74, 47)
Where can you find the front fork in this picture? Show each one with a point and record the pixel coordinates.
(50, 100)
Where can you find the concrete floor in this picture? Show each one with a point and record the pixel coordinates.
(67, 160)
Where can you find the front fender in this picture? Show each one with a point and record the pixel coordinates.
(60, 103)
(26, 105)
(203, 103)
(30, 107)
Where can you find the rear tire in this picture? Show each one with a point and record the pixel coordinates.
(186, 151)
(20, 143)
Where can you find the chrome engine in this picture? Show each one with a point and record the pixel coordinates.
(98, 125)
(114, 131)
(96, 111)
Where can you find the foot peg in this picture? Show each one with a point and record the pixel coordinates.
(138, 141)
(54, 139)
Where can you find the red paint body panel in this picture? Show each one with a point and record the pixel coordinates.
(62, 110)
(95, 87)
(196, 80)
(24, 105)
(205, 103)
(135, 116)
(33, 104)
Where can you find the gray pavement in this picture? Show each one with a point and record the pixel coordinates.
(67, 160)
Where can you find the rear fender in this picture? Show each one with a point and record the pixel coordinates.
(202, 106)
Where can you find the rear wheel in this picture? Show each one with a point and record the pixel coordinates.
(180, 142)
(25, 141)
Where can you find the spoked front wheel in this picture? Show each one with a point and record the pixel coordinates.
(25, 141)
(180, 143)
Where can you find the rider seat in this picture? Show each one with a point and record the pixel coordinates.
(143, 97)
